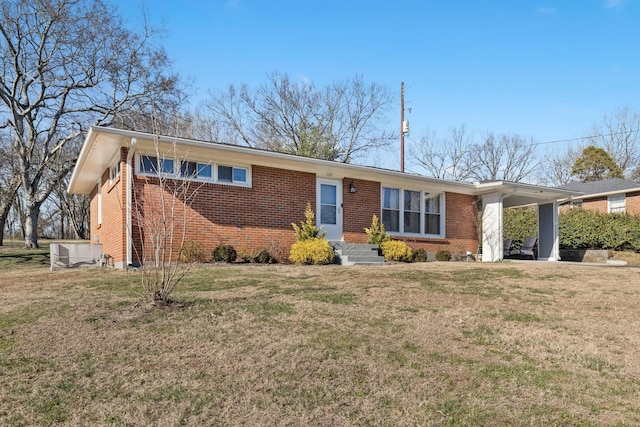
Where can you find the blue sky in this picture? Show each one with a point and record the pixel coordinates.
(543, 69)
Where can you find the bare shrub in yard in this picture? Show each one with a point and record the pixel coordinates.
(260, 256)
(192, 252)
(159, 214)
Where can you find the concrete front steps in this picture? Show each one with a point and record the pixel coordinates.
(357, 254)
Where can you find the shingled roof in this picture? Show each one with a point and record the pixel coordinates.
(612, 185)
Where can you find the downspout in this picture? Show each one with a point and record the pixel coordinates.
(129, 225)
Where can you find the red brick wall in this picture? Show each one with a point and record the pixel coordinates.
(633, 203)
(246, 218)
(359, 208)
(260, 216)
(111, 233)
(598, 204)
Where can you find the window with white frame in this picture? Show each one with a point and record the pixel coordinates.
(187, 169)
(114, 172)
(413, 212)
(617, 203)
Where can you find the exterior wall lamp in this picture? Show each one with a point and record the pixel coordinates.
(352, 188)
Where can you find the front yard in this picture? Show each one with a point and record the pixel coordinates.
(405, 344)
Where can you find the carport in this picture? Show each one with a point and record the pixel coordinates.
(497, 195)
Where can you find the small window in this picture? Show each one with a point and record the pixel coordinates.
(225, 174)
(152, 165)
(205, 171)
(617, 204)
(231, 174)
(114, 172)
(239, 175)
(188, 169)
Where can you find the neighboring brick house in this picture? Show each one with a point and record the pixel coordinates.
(613, 195)
(248, 198)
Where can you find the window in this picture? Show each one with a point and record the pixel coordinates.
(617, 204)
(421, 212)
(411, 211)
(232, 174)
(391, 209)
(114, 172)
(151, 165)
(189, 169)
(432, 213)
(195, 170)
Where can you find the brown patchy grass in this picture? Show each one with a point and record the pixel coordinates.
(401, 345)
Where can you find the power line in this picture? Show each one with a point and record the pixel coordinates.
(584, 137)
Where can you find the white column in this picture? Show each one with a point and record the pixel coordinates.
(492, 227)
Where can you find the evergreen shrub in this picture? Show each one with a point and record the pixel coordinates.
(225, 253)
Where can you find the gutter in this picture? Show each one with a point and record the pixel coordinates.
(130, 170)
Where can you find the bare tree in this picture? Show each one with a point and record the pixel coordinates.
(160, 217)
(556, 170)
(338, 122)
(504, 157)
(66, 65)
(619, 135)
(449, 158)
(9, 184)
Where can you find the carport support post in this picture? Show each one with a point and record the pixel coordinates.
(548, 236)
(492, 227)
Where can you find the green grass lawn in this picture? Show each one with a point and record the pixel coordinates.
(402, 345)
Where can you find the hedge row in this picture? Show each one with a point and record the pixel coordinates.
(578, 229)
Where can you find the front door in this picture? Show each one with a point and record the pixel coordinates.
(329, 202)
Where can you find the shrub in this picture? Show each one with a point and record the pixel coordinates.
(396, 250)
(443, 255)
(314, 251)
(260, 256)
(588, 229)
(308, 229)
(224, 253)
(420, 255)
(191, 252)
(518, 224)
(376, 233)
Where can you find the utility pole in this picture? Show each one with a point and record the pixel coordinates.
(402, 127)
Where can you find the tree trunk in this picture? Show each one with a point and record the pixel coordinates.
(31, 226)
(3, 221)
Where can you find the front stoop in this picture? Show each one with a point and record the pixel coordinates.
(357, 254)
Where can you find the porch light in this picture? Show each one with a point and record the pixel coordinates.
(352, 188)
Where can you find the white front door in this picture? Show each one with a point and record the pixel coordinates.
(329, 203)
